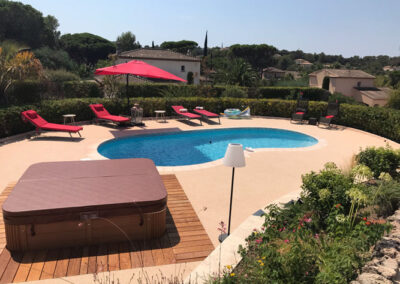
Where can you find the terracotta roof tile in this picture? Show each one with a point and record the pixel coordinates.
(161, 54)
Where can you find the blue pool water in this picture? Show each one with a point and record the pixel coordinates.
(199, 146)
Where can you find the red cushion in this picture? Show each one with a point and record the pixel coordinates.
(330, 116)
(99, 108)
(61, 127)
(116, 118)
(299, 112)
(31, 114)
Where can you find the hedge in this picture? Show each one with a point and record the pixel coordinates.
(381, 121)
(26, 92)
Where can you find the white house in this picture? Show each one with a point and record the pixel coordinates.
(172, 62)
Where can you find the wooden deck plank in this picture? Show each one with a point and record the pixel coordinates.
(136, 256)
(24, 267)
(84, 261)
(62, 263)
(102, 259)
(5, 258)
(124, 255)
(37, 266)
(92, 262)
(74, 264)
(50, 264)
(12, 268)
(113, 257)
(157, 254)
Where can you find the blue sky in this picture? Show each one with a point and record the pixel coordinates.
(347, 27)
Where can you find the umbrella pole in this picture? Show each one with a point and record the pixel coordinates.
(127, 95)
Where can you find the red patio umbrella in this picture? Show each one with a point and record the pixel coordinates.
(137, 68)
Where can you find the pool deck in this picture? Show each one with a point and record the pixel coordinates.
(269, 173)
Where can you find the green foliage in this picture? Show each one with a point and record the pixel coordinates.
(127, 41)
(382, 159)
(182, 46)
(258, 55)
(387, 197)
(25, 92)
(394, 100)
(324, 190)
(25, 24)
(234, 92)
(60, 76)
(238, 72)
(395, 79)
(86, 48)
(322, 239)
(342, 99)
(55, 59)
(190, 78)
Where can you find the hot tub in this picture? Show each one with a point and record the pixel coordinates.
(63, 204)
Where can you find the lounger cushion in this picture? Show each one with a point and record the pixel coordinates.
(99, 110)
(206, 113)
(61, 127)
(299, 112)
(330, 116)
(116, 118)
(31, 114)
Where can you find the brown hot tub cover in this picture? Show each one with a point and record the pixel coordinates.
(58, 191)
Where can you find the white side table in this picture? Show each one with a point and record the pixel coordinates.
(160, 114)
(70, 116)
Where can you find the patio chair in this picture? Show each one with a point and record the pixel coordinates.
(300, 111)
(42, 125)
(181, 111)
(332, 111)
(207, 114)
(102, 114)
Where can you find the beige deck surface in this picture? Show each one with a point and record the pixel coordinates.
(268, 175)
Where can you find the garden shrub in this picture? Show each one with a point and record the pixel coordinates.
(323, 238)
(382, 159)
(234, 92)
(25, 92)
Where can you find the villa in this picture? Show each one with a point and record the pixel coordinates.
(352, 83)
(173, 62)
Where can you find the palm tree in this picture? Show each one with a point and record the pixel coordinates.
(238, 72)
(16, 64)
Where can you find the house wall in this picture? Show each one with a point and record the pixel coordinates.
(174, 67)
(346, 85)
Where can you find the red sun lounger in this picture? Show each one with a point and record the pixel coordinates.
(188, 115)
(102, 114)
(42, 125)
(207, 114)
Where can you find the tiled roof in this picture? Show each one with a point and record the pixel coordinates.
(344, 73)
(160, 54)
(374, 93)
(273, 70)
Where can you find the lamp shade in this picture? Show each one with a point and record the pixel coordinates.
(234, 156)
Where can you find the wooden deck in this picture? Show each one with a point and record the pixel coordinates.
(185, 241)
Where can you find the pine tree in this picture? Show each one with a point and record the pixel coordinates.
(205, 51)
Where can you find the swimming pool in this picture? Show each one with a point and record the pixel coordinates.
(199, 146)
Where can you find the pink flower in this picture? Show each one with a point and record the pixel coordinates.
(307, 220)
(286, 241)
(294, 230)
(280, 230)
(259, 241)
(316, 236)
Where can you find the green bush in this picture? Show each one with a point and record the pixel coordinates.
(26, 92)
(59, 76)
(380, 160)
(234, 92)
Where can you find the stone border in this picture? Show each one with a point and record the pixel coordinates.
(384, 266)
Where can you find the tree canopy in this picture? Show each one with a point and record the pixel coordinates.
(25, 24)
(86, 48)
(127, 41)
(258, 55)
(182, 46)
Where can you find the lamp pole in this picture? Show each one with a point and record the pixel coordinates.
(230, 204)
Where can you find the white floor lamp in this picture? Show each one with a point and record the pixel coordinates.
(234, 157)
